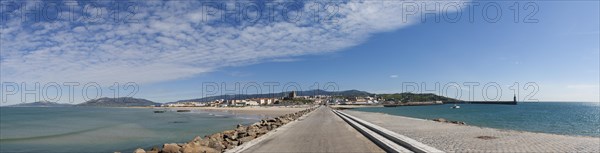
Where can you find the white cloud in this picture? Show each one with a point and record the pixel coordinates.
(170, 43)
(394, 76)
(582, 86)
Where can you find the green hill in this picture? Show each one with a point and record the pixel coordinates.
(415, 97)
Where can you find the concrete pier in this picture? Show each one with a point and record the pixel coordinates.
(319, 131)
(324, 130)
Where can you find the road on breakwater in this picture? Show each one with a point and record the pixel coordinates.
(319, 131)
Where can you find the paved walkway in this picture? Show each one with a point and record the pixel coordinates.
(460, 138)
(320, 131)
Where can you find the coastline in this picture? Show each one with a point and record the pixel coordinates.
(466, 138)
(342, 107)
(262, 111)
(241, 134)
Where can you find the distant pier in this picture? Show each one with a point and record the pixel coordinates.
(484, 102)
(513, 102)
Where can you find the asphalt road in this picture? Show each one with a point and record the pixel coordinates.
(320, 131)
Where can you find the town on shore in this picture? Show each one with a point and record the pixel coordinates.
(311, 97)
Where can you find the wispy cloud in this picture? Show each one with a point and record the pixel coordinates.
(286, 60)
(169, 41)
(394, 76)
(582, 86)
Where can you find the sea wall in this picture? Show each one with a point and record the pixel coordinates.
(222, 141)
(484, 102)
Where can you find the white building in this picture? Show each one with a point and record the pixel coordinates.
(252, 103)
(265, 101)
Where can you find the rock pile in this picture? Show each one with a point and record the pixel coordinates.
(219, 142)
(446, 121)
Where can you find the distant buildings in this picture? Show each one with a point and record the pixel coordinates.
(185, 104)
(291, 98)
(266, 101)
(368, 100)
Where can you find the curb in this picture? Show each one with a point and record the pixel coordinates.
(270, 134)
(402, 140)
(385, 144)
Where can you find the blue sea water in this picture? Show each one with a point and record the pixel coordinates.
(565, 118)
(86, 129)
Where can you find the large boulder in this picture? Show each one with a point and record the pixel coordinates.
(285, 120)
(231, 134)
(139, 150)
(253, 131)
(191, 147)
(171, 148)
(231, 143)
(208, 150)
(263, 130)
(197, 139)
(154, 150)
(246, 139)
(204, 142)
(241, 130)
(217, 145)
(216, 137)
(440, 120)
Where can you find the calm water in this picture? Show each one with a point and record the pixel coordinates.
(76, 129)
(557, 118)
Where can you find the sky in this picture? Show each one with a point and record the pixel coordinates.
(174, 50)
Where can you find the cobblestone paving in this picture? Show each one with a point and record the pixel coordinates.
(463, 138)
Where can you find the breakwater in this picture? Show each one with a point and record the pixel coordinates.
(222, 141)
(414, 104)
(484, 102)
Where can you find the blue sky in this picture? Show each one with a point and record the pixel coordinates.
(369, 49)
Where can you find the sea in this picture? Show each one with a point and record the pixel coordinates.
(563, 118)
(94, 129)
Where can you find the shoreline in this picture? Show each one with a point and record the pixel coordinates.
(262, 111)
(342, 107)
(230, 139)
(478, 126)
(451, 137)
(459, 122)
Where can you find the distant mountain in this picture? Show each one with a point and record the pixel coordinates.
(41, 104)
(352, 93)
(412, 97)
(249, 96)
(118, 102)
(347, 93)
